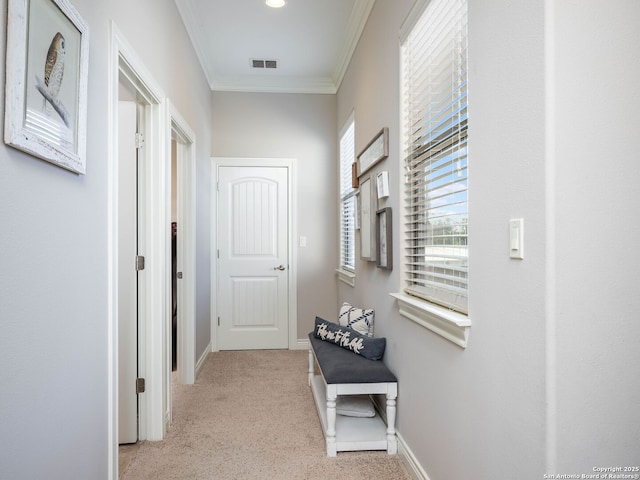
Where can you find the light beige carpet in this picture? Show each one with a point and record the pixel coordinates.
(251, 415)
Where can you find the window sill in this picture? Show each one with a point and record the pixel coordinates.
(451, 325)
(347, 277)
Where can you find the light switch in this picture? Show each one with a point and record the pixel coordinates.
(516, 238)
(303, 241)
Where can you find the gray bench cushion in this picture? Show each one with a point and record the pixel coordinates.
(343, 366)
(345, 337)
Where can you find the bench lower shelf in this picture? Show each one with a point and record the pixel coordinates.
(352, 433)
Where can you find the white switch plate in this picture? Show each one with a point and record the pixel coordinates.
(303, 241)
(516, 238)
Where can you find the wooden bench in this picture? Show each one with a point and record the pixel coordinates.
(342, 372)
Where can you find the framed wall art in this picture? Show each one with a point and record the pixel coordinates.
(382, 183)
(355, 181)
(376, 150)
(46, 75)
(367, 220)
(356, 204)
(383, 233)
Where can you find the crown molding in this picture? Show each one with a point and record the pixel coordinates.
(250, 83)
(197, 37)
(357, 22)
(274, 85)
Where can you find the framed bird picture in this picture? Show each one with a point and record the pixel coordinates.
(46, 75)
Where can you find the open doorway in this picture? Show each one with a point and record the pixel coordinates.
(130, 301)
(161, 123)
(183, 199)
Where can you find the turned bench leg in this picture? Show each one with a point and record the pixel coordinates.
(332, 448)
(392, 441)
(312, 367)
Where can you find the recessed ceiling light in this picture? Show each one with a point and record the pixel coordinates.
(275, 3)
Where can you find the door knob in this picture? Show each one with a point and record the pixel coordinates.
(281, 267)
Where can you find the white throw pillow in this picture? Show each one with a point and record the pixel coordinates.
(360, 319)
(355, 406)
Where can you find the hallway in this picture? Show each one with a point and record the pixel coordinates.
(251, 415)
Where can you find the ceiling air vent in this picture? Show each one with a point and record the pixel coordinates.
(258, 63)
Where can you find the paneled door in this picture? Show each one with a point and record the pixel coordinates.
(127, 274)
(253, 269)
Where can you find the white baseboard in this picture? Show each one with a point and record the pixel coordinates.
(167, 423)
(201, 360)
(405, 453)
(301, 344)
(410, 460)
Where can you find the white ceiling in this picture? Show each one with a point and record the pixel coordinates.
(312, 41)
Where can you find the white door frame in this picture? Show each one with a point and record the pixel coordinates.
(292, 250)
(180, 131)
(154, 357)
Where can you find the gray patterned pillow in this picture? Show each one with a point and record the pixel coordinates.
(349, 339)
(359, 319)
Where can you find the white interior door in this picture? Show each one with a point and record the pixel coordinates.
(253, 263)
(127, 275)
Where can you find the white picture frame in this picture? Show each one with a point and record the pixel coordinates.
(382, 183)
(367, 221)
(47, 67)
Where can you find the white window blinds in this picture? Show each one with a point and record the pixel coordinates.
(347, 200)
(434, 83)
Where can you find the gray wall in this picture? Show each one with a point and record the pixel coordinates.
(53, 255)
(594, 162)
(300, 126)
(546, 384)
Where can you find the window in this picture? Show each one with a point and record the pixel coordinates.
(434, 122)
(347, 204)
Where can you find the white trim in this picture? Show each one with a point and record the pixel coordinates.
(124, 61)
(112, 265)
(202, 359)
(196, 35)
(301, 344)
(412, 18)
(346, 276)
(451, 325)
(405, 453)
(290, 164)
(357, 21)
(213, 264)
(351, 118)
(274, 85)
(158, 256)
(410, 460)
(186, 197)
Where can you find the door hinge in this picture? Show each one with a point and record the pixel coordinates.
(139, 140)
(139, 262)
(218, 321)
(140, 385)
